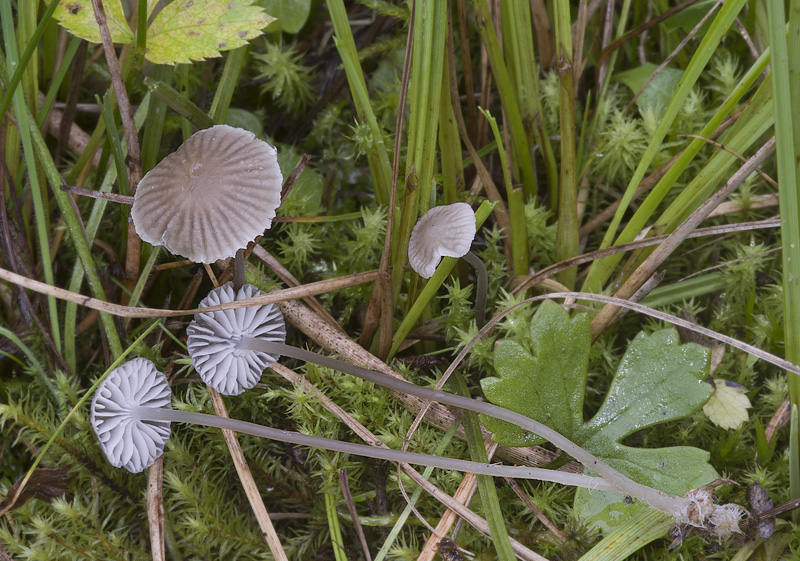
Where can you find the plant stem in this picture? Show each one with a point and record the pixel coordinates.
(567, 237)
(618, 482)
(226, 423)
(486, 488)
(482, 288)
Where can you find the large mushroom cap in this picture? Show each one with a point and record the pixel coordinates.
(210, 197)
(443, 231)
(213, 340)
(128, 441)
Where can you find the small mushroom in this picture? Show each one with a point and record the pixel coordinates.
(611, 478)
(210, 197)
(131, 415)
(448, 231)
(213, 339)
(127, 439)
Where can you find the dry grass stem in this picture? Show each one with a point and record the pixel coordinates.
(608, 314)
(119, 310)
(464, 493)
(155, 509)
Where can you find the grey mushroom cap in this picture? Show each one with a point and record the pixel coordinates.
(210, 197)
(126, 440)
(443, 231)
(214, 340)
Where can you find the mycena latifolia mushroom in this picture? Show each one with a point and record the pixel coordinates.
(211, 197)
(131, 416)
(223, 332)
(448, 231)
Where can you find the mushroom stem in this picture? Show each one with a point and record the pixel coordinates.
(483, 287)
(618, 482)
(238, 269)
(520, 472)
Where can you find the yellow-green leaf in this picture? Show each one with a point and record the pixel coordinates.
(77, 17)
(188, 30)
(728, 405)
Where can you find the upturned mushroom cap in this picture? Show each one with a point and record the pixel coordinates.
(443, 231)
(214, 337)
(128, 441)
(210, 197)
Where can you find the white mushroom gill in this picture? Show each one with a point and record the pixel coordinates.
(131, 415)
(214, 337)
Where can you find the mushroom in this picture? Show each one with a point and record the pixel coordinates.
(213, 337)
(448, 231)
(224, 343)
(128, 440)
(131, 416)
(210, 197)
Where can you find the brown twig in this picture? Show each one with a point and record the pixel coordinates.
(246, 477)
(155, 509)
(534, 509)
(638, 244)
(464, 493)
(350, 351)
(91, 193)
(381, 302)
(641, 29)
(673, 54)
(290, 281)
(301, 291)
(351, 508)
(735, 154)
(288, 185)
(133, 250)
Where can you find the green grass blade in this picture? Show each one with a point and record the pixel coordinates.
(567, 235)
(92, 225)
(380, 165)
(601, 269)
(516, 205)
(787, 136)
(38, 191)
(179, 103)
(508, 98)
(486, 489)
(630, 536)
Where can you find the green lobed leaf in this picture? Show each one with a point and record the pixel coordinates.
(657, 380)
(77, 17)
(658, 92)
(561, 345)
(188, 30)
(291, 15)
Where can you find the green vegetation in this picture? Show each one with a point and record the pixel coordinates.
(569, 127)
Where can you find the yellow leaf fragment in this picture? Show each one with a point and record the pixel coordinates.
(77, 17)
(727, 407)
(188, 30)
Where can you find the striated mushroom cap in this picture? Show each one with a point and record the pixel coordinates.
(443, 231)
(213, 340)
(210, 197)
(128, 441)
